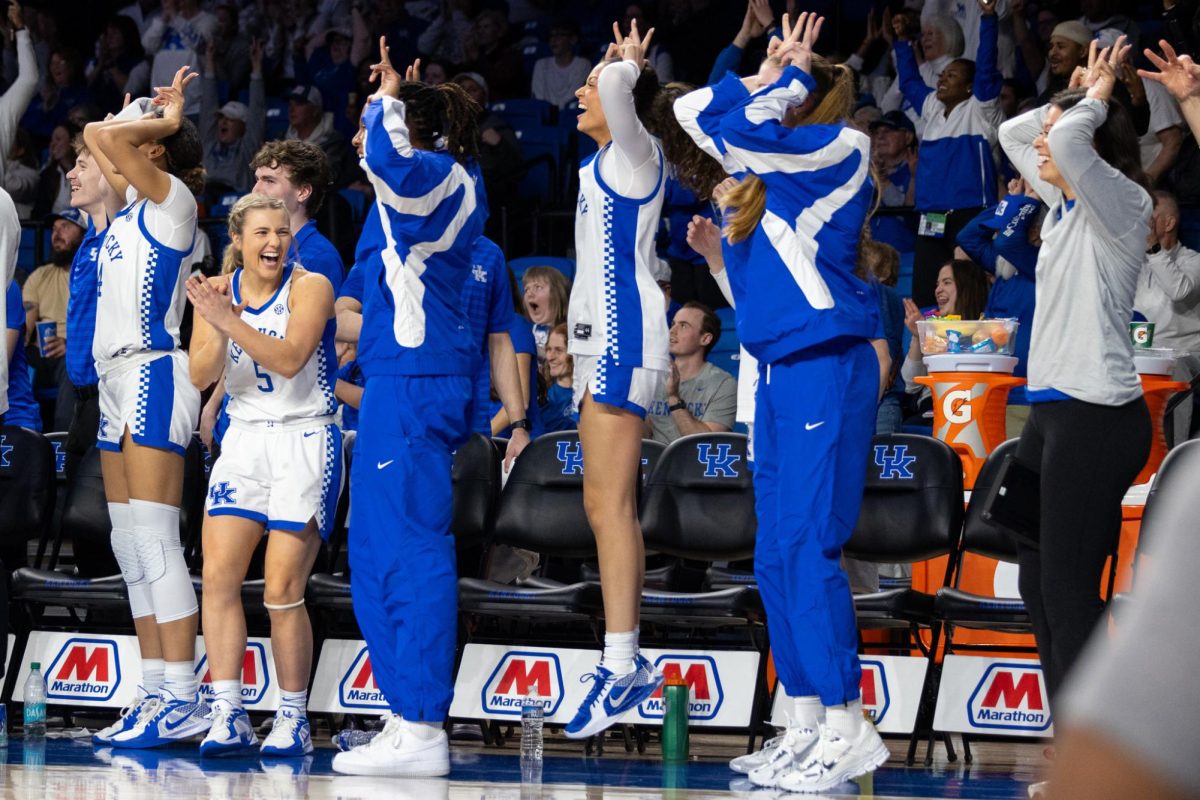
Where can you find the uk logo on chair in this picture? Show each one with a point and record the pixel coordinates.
(896, 465)
(717, 459)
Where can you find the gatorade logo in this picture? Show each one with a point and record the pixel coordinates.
(956, 406)
(255, 677)
(1011, 697)
(516, 675)
(84, 669)
(358, 688)
(703, 680)
(874, 687)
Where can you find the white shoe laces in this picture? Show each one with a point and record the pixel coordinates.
(286, 724)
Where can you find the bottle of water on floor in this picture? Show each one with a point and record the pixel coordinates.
(35, 703)
(532, 715)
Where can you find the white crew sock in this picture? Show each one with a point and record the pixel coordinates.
(807, 712)
(425, 731)
(180, 680)
(619, 650)
(229, 691)
(296, 701)
(152, 674)
(846, 720)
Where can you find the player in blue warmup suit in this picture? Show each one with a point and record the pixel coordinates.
(800, 207)
(418, 354)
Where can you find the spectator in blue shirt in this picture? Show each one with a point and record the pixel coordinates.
(22, 407)
(557, 411)
(298, 174)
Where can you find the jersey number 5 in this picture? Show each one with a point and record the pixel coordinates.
(264, 380)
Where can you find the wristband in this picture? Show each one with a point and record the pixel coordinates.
(680, 406)
(521, 425)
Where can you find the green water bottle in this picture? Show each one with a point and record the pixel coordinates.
(675, 720)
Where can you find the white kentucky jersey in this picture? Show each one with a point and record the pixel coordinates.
(260, 396)
(140, 284)
(616, 305)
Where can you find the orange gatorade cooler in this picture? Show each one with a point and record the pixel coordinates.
(1155, 367)
(970, 395)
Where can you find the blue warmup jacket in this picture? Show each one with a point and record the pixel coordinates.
(957, 165)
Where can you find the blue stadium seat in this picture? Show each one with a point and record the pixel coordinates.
(564, 265)
(542, 151)
(277, 118)
(524, 112)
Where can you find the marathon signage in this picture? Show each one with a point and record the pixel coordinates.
(493, 681)
(891, 693)
(95, 671)
(345, 680)
(1003, 697)
(720, 686)
(260, 686)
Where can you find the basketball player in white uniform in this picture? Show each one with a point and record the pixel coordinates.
(268, 326)
(151, 156)
(618, 331)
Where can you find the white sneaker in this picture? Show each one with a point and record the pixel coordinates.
(751, 761)
(140, 709)
(784, 757)
(833, 760)
(290, 736)
(172, 720)
(231, 730)
(399, 752)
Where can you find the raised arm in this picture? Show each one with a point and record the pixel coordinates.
(988, 79)
(700, 113)
(16, 98)
(1017, 136)
(120, 143)
(912, 85)
(132, 111)
(633, 145)
(256, 115)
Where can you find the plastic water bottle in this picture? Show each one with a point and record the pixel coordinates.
(35, 703)
(532, 715)
(350, 738)
(675, 720)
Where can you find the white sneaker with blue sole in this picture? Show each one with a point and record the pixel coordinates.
(612, 696)
(172, 721)
(290, 736)
(231, 731)
(142, 708)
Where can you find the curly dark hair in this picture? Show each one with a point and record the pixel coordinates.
(185, 155)
(694, 168)
(305, 163)
(445, 112)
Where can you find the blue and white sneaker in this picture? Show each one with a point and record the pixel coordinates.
(141, 708)
(290, 736)
(172, 721)
(231, 730)
(612, 696)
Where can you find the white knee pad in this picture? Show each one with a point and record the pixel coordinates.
(283, 606)
(124, 545)
(160, 554)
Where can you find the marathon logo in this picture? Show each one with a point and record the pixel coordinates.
(874, 689)
(1011, 697)
(517, 674)
(84, 669)
(256, 679)
(703, 680)
(358, 688)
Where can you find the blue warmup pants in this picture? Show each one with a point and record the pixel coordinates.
(813, 421)
(403, 575)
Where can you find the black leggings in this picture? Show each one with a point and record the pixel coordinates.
(1088, 456)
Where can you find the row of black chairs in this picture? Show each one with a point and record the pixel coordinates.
(697, 513)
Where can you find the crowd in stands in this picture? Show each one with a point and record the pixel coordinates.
(957, 230)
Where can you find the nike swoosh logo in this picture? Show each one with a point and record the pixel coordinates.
(383, 464)
(809, 426)
(173, 725)
(310, 433)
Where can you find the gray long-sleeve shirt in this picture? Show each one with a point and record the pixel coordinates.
(1087, 271)
(1168, 295)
